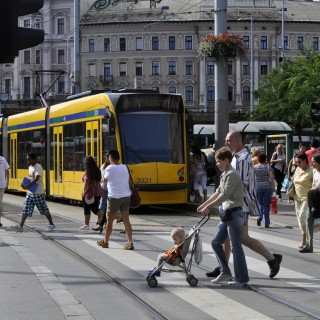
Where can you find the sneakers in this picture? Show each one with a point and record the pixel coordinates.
(259, 222)
(84, 227)
(237, 284)
(17, 228)
(128, 246)
(274, 265)
(50, 228)
(102, 244)
(221, 278)
(155, 273)
(97, 228)
(214, 273)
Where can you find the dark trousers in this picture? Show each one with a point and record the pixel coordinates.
(279, 177)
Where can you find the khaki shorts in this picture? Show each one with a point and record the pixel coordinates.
(115, 205)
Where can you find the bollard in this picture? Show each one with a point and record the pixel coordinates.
(274, 207)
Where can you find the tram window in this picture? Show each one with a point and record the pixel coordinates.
(68, 157)
(108, 141)
(80, 146)
(24, 146)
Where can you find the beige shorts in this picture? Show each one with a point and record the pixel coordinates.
(118, 205)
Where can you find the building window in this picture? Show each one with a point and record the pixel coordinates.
(155, 68)
(286, 43)
(60, 24)
(299, 43)
(172, 65)
(122, 44)
(61, 59)
(210, 68)
(189, 93)
(7, 86)
(122, 69)
(139, 43)
(172, 90)
(91, 45)
(172, 43)
(37, 23)
(92, 70)
(188, 43)
(189, 67)
(315, 43)
(61, 85)
(246, 40)
(38, 57)
(246, 94)
(229, 65)
(155, 43)
(245, 67)
(138, 68)
(210, 93)
(230, 94)
(263, 67)
(107, 72)
(26, 23)
(26, 57)
(27, 87)
(264, 43)
(106, 44)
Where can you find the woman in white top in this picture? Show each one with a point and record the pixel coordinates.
(313, 203)
(278, 164)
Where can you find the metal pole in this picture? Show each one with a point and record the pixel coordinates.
(251, 67)
(282, 31)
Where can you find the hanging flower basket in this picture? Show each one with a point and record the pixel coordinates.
(225, 45)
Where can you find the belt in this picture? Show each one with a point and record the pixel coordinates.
(234, 209)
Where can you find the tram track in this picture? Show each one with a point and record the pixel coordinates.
(149, 309)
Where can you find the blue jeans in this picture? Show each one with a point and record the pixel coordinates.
(233, 230)
(103, 201)
(264, 198)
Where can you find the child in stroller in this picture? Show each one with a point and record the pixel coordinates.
(176, 255)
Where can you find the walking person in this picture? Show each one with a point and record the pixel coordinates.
(34, 197)
(242, 162)
(278, 164)
(118, 184)
(265, 187)
(104, 198)
(302, 181)
(198, 159)
(91, 192)
(314, 148)
(313, 204)
(4, 181)
(230, 194)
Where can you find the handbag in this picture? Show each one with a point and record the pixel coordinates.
(135, 200)
(291, 191)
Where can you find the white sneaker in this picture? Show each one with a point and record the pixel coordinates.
(222, 278)
(51, 227)
(237, 284)
(17, 228)
(84, 227)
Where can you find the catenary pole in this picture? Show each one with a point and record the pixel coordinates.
(221, 78)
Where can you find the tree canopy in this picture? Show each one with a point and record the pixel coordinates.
(286, 93)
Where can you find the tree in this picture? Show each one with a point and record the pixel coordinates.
(286, 93)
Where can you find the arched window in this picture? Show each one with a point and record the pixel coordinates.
(246, 94)
(189, 93)
(210, 93)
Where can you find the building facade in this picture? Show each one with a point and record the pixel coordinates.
(153, 44)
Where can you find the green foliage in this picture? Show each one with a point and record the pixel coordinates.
(286, 93)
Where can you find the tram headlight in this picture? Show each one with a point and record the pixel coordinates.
(181, 174)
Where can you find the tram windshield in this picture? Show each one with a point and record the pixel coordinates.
(151, 136)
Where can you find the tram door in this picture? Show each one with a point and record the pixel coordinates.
(57, 161)
(14, 183)
(92, 141)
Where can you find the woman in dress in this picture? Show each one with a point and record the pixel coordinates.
(278, 163)
(302, 181)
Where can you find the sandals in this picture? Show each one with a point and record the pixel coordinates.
(128, 246)
(102, 244)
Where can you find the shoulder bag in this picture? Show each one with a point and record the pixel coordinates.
(135, 199)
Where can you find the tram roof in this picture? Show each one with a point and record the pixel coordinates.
(257, 127)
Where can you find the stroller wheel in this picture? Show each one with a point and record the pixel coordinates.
(152, 282)
(193, 281)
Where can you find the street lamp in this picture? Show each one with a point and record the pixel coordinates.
(251, 63)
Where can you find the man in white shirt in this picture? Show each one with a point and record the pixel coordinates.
(4, 181)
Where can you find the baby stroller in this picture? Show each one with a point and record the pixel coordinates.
(179, 261)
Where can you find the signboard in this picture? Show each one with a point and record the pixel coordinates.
(273, 140)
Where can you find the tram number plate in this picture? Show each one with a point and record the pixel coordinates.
(143, 180)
